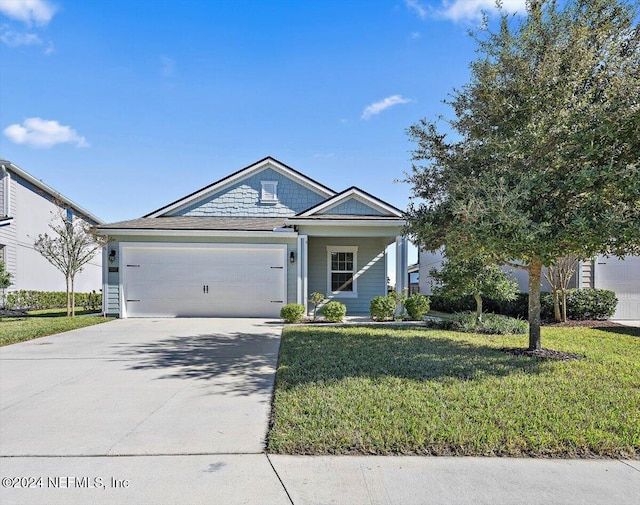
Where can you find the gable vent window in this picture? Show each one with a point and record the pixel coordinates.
(269, 192)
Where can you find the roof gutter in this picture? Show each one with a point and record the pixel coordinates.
(193, 233)
(346, 222)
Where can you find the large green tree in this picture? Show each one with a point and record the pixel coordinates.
(542, 157)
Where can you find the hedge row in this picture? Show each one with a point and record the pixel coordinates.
(37, 300)
(582, 304)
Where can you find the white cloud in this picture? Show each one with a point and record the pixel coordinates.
(415, 6)
(38, 132)
(15, 39)
(378, 107)
(39, 12)
(471, 10)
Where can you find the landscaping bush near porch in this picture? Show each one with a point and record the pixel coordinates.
(366, 390)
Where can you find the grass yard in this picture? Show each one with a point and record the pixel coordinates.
(42, 323)
(375, 390)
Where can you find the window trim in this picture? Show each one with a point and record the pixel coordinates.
(272, 185)
(354, 283)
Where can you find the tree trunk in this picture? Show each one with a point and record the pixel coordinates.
(478, 307)
(564, 305)
(68, 297)
(556, 305)
(73, 297)
(535, 276)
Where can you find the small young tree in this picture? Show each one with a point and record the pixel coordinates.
(316, 299)
(71, 246)
(476, 277)
(5, 281)
(559, 276)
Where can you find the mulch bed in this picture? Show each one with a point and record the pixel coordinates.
(592, 323)
(13, 313)
(542, 353)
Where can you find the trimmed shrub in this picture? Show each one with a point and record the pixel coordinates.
(449, 305)
(584, 304)
(416, 305)
(38, 300)
(292, 313)
(518, 308)
(491, 324)
(382, 308)
(334, 311)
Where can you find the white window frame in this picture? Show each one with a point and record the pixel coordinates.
(342, 249)
(269, 188)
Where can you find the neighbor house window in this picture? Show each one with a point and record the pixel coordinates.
(269, 192)
(342, 264)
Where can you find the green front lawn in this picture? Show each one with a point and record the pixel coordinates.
(375, 390)
(42, 323)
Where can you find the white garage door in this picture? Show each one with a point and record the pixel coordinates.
(203, 280)
(623, 277)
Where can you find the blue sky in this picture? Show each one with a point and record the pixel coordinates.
(124, 106)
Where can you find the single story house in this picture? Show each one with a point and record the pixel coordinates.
(621, 276)
(249, 243)
(27, 207)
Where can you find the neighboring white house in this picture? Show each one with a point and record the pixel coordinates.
(27, 206)
(621, 276)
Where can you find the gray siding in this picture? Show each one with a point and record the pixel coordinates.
(32, 210)
(242, 199)
(113, 279)
(586, 274)
(8, 236)
(371, 269)
(352, 207)
(2, 183)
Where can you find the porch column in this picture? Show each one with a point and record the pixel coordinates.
(303, 269)
(402, 253)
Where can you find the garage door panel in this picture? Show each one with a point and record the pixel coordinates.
(623, 278)
(231, 280)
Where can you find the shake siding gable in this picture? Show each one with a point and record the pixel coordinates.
(352, 207)
(242, 199)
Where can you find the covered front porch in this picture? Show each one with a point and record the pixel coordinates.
(349, 263)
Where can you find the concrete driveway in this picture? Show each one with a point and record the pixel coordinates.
(140, 387)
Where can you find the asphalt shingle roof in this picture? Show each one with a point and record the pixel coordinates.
(199, 223)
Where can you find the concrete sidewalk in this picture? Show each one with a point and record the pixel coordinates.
(229, 479)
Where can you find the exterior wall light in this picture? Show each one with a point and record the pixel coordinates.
(292, 257)
(112, 255)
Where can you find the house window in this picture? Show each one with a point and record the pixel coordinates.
(269, 192)
(342, 265)
(69, 216)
